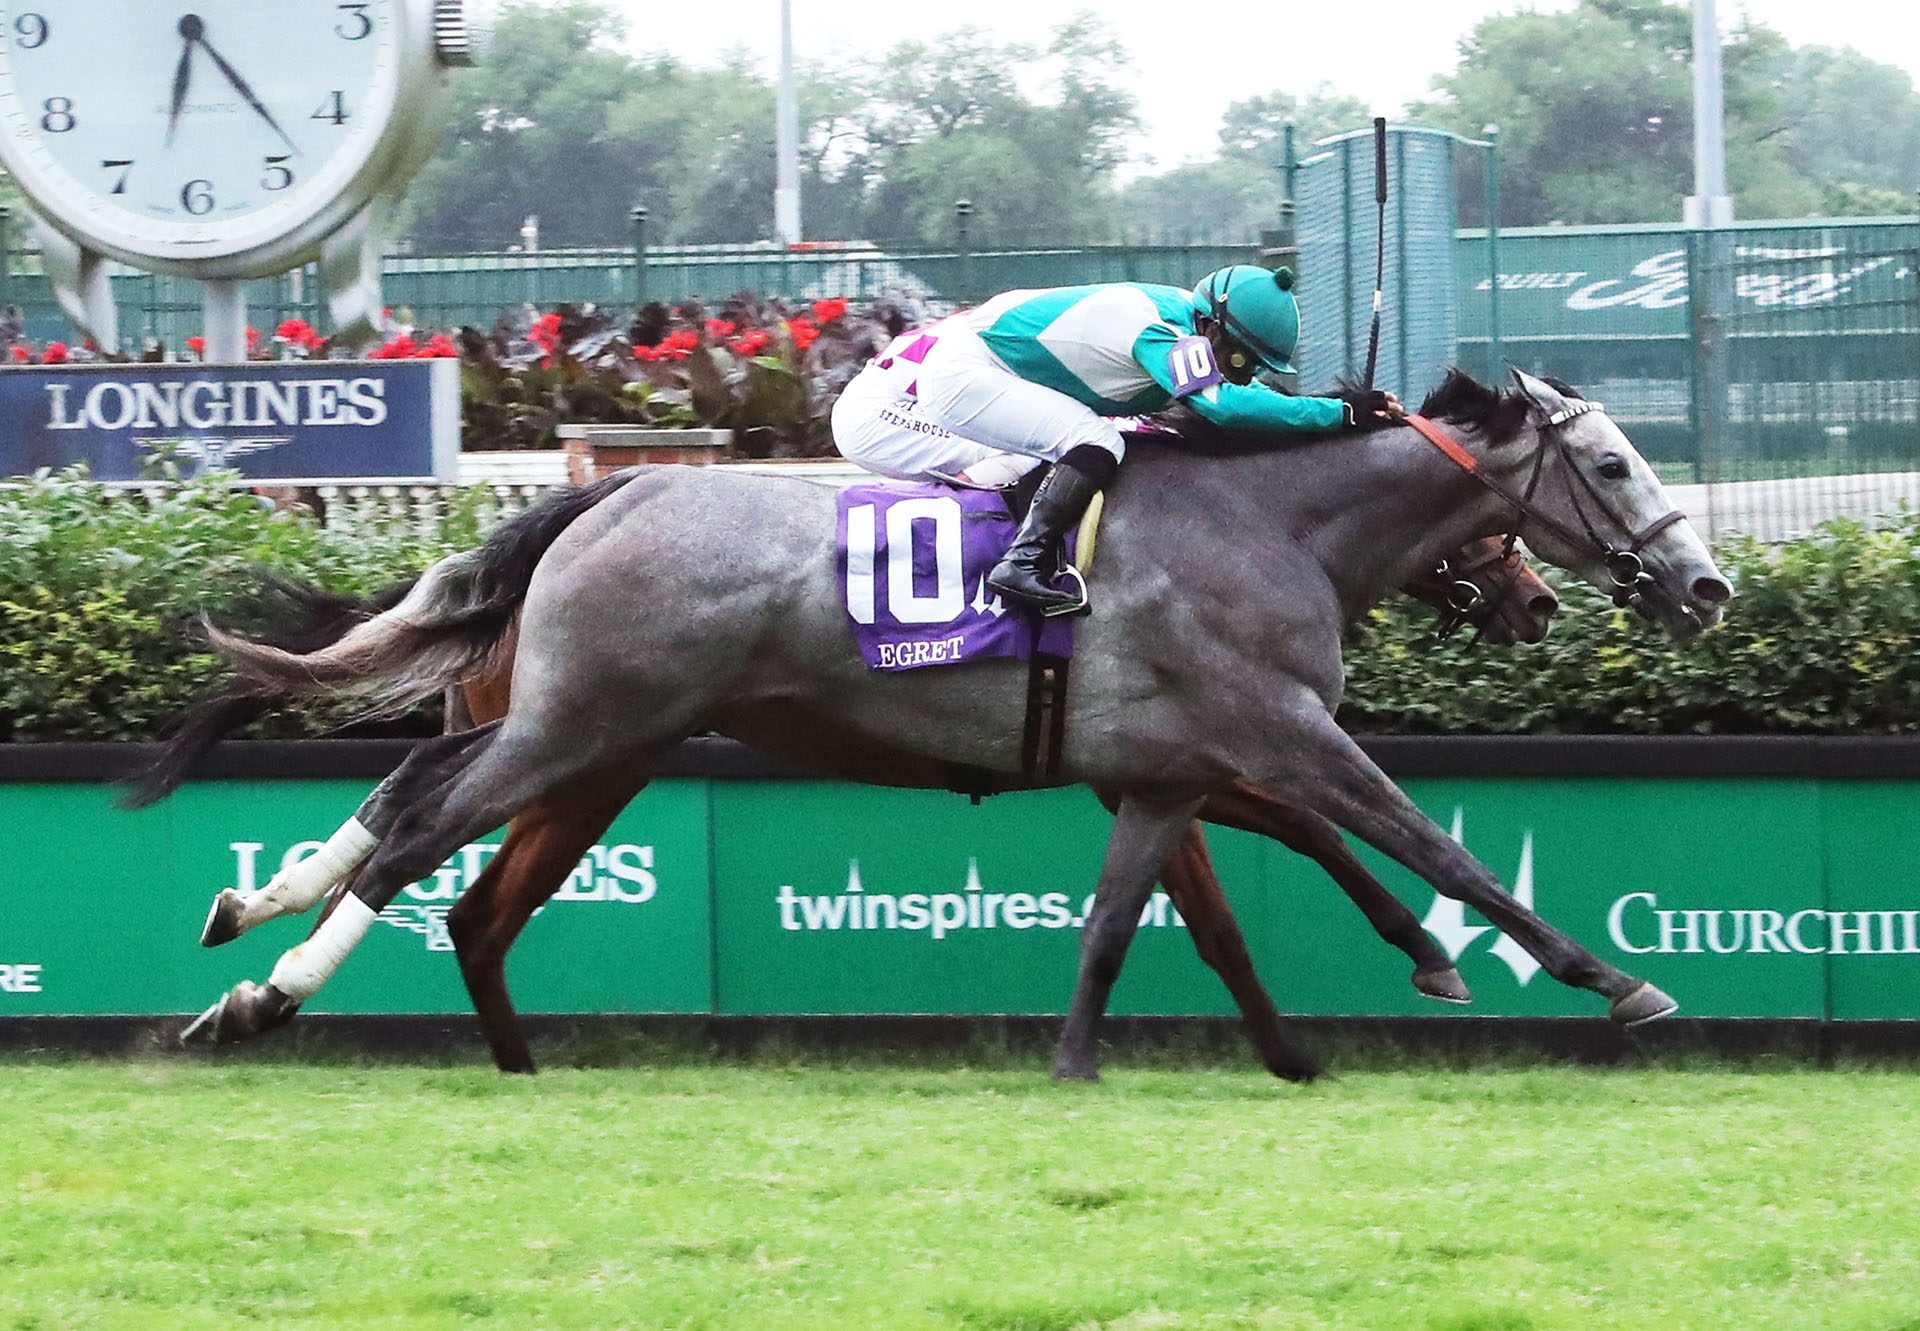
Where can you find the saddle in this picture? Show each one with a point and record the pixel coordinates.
(912, 560)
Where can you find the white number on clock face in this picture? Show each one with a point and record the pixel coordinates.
(181, 114)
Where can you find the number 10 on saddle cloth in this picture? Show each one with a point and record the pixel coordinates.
(913, 562)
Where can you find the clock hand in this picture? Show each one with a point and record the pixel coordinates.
(240, 86)
(190, 29)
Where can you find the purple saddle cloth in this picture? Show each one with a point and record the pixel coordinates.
(913, 560)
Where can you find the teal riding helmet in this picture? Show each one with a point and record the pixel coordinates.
(1255, 306)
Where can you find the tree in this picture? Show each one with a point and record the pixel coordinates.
(1595, 108)
(1239, 191)
(528, 136)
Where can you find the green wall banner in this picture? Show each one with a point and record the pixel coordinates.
(1743, 897)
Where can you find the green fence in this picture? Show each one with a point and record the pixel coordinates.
(1776, 897)
(475, 289)
(1778, 364)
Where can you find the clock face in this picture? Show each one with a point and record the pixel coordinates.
(186, 129)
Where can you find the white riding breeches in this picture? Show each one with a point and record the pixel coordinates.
(959, 415)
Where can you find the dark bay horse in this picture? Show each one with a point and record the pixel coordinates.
(658, 605)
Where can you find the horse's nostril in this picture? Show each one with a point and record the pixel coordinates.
(1712, 591)
(1545, 605)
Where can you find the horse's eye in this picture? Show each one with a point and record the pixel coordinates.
(1614, 469)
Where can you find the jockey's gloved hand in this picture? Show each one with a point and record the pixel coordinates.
(1365, 405)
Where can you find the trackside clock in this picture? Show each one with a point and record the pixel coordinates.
(222, 139)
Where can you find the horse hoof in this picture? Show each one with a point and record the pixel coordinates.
(1073, 1067)
(1446, 985)
(1643, 1005)
(244, 1011)
(223, 919)
(1299, 1070)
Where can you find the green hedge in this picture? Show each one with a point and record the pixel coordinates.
(99, 594)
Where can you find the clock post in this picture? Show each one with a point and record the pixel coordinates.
(224, 140)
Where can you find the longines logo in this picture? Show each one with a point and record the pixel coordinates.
(620, 874)
(203, 403)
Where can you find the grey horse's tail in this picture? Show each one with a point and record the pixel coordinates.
(442, 630)
(381, 656)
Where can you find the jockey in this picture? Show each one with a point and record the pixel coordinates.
(986, 395)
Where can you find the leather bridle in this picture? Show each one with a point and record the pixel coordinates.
(1625, 569)
(1467, 604)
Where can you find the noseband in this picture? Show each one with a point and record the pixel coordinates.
(1625, 568)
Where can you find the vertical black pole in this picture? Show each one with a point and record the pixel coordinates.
(638, 216)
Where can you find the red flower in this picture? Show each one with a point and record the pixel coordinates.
(399, 348)
(299, 333)
(750, 343)
(646, 354)
(439, 347)
(253, 338)
(802, 331)
(826, 311)
(18, 354)
(677, 345)
(197, 345)
(55, 354)
(718, 330)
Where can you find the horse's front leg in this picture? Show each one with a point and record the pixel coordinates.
(1193, 885)
(1319, 766)
(1309, 834)
(1146, 831)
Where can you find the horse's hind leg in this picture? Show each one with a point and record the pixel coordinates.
(491, 780)
(1311, 835)
(295, 889)
(1146, 832)
(543, 845)
(248, 1009)
(1195, 888)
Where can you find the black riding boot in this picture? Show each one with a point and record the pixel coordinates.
(1026, 572)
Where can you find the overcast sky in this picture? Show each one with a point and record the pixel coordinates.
(1383, 51)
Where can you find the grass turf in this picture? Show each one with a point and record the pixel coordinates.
(183, 1194)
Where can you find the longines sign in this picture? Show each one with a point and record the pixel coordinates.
(282, 422)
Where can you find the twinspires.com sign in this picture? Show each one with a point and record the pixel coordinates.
(284, 422)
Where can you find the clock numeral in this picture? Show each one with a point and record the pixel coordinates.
(126, 169)
(196, 196)
(32, 31)
(279, 175)
(357, 13)
(334, 109)
(59, 115)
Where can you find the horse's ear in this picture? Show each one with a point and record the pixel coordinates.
(1537, 391)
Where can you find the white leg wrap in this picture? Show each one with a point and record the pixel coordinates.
(302, 970)
(296, 889)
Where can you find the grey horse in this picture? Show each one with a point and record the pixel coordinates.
(660, 604)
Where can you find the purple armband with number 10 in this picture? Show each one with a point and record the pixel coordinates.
(1191, 367)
